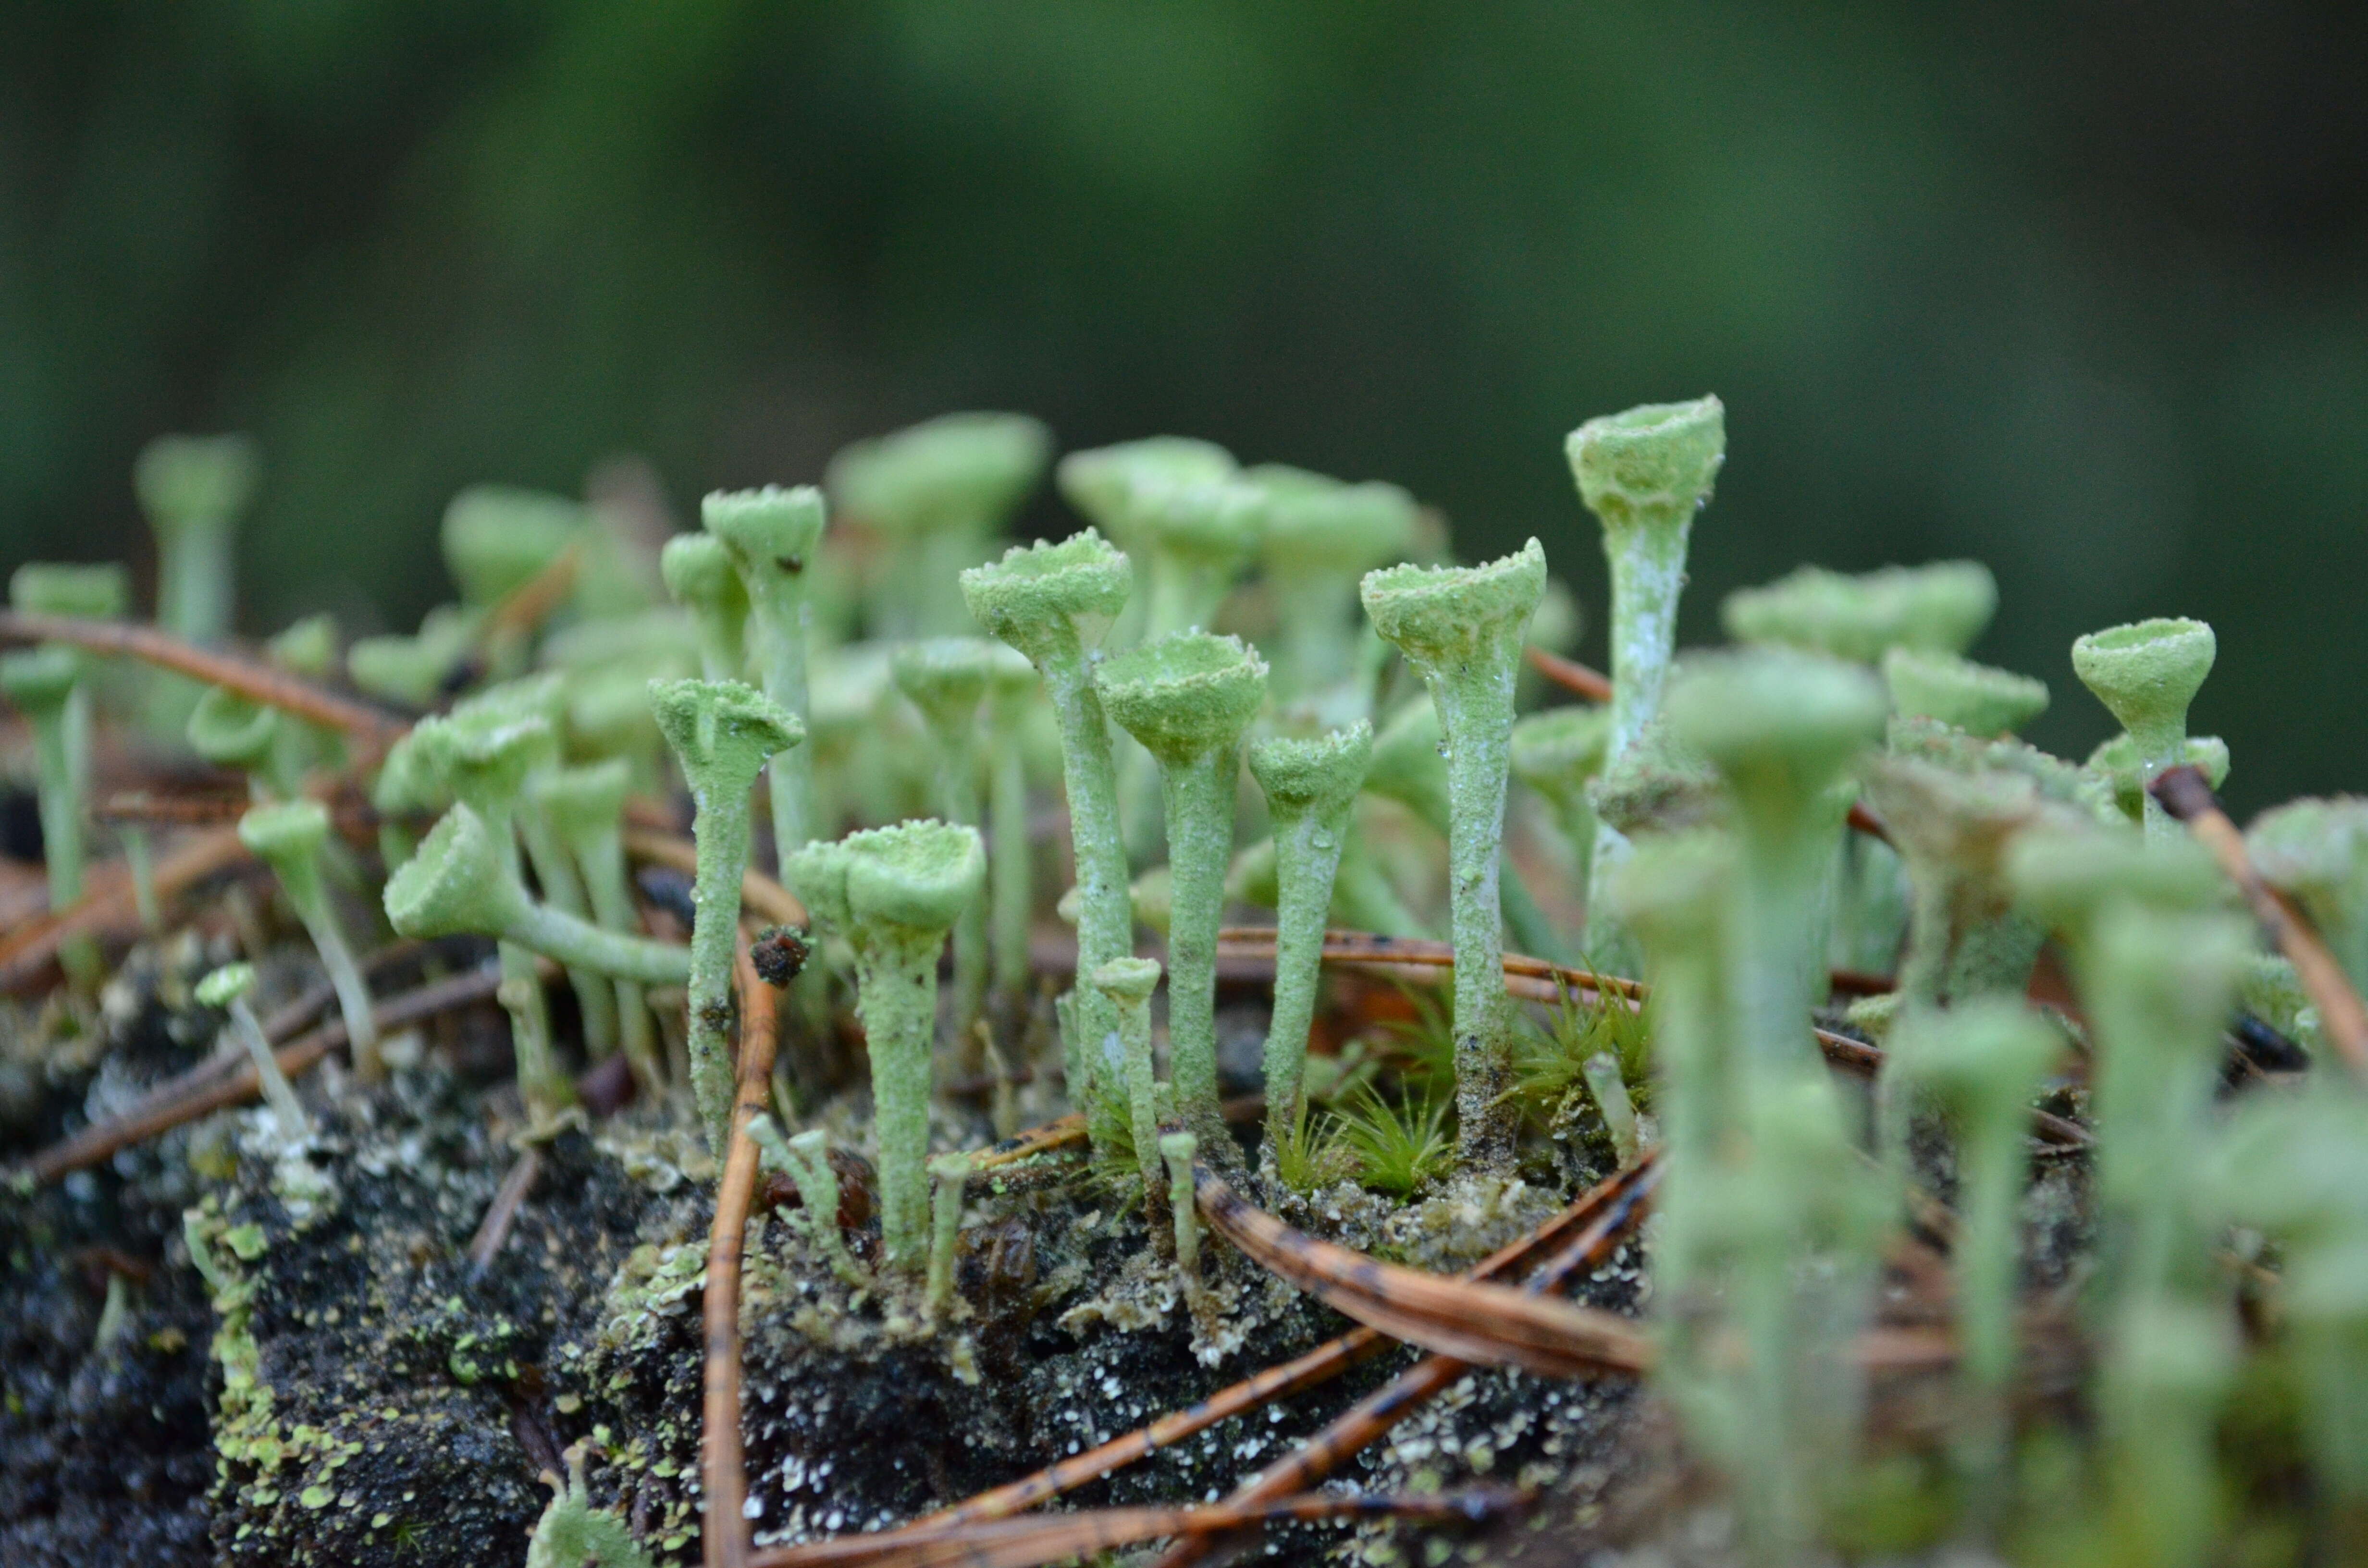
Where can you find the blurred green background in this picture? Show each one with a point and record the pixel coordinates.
(2076, 287)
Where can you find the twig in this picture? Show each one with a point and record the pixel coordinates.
(1571, 676)
(110, 903)
(206, 1087)
(724, 1536)
(1362, 1423)
(1026, 1543)
(2186, 794)
(758, 892)
(524, 607)
(1059, 1133)
(1483, 1323)
(258, 683)
(494, 1228)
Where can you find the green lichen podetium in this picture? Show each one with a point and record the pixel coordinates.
(1982, 1063)
(41, 682)
(289, 836)
(2116, 765)
(1053, 602)
(700, 577)
(1311, 793)
(571, 1533)
(1129, 982)
(773, 535)
(232, 731)
(2145, 674)
(2317, 851)
(722, 733)
(193, 489)
(496, 539)
(1011, 686)
(584, 806)
(946, 678)
(1783, 730)
(227, 989)
(1322, 536)
(1187, 698)
(1937, 608)
(1977, 698)
(1554, 755)
(1644, 473)
(1408, 766)
(952, 1173)
(1461, 627)
(2163, 984)
(463, 882)
(940, 492)
(1102, 482)
(1197, 535)
(895, 892)
(2295, 1167)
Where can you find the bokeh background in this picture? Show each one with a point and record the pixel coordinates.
(2075, 286)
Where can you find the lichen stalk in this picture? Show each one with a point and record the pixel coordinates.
(291, 837)
(895, 892)
(1187, 698)
(584, 806)
(1644, 473)
(1010, 862)
(42, 682)
(722, 733)
(773, 535)
(1311, 792)
(1462, 630)
(952, 1173)
(1129, 982)
(1044, 600)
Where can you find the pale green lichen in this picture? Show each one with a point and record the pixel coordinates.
(940, 493)
(1939, 607)
(289, 836)
(1187, 698)
(1053, 602)
(1644, 473)
(1129, 982)
(1461, 628)
(700, 576)
(773, 536)
(722, 734)
(2147, 674)
(1929, 683)
(893, 893)
(1311, 793)
(946, 679)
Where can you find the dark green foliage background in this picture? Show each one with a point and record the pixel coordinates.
(2076, 287)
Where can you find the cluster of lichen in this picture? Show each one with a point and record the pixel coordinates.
(1189, 675)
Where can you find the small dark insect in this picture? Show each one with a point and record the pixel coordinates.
(855, 1174)
(777, 954)
(669, 889)
(462, 676)
(792, 564)
(2266, 1047)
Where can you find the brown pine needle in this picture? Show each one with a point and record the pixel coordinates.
(1571, 676)
(724, 1536)
(1487, 1324)
(509, 1199)
(2187, 795)
(1026, 1543)
(257, 683)
(1364, 1423)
